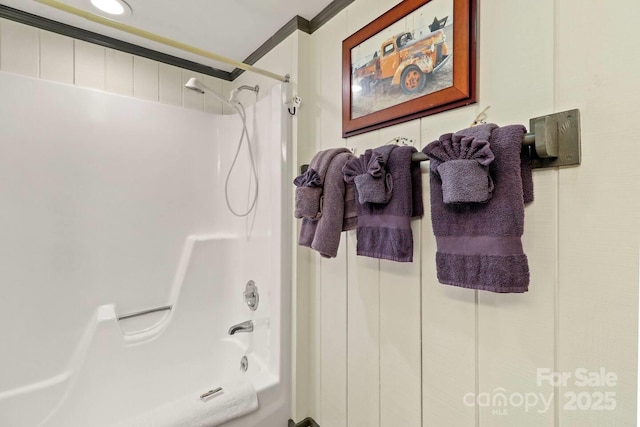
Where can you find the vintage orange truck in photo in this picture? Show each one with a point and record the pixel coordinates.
(403, 61)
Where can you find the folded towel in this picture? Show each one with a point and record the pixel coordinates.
(479, 244)
(338, 210)
(374, 190)
(465, 181)
(308, 201)
(310, 178)
(462, 163)
(384, 230)
(374, 184)
(235, 400)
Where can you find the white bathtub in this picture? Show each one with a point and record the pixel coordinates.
(110, 370)
(123, 368)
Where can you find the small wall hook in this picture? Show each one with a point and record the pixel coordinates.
(400, 140)
(293, 105)
(480, 118)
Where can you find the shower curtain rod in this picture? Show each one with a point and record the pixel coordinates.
(160, 39)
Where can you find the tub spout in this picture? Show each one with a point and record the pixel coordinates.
(241, 327)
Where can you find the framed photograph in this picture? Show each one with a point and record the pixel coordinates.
(417, 59)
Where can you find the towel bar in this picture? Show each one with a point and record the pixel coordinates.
(143, 312)
(528, 140)
(555, 141)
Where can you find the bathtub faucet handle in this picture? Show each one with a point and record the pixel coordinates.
(251, 297)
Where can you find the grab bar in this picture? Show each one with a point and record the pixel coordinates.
(143, 312)
(210, 393)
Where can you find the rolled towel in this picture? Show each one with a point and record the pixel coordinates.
(374, 190)
(465, 181)
(235, 400)
(308, 195)
(462, 162)
(308, 202)
(370, 174)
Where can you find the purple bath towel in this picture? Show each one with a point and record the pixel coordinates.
(462, 163)
(479, 244)
(308, 201)
(384, 230)
(338, 209)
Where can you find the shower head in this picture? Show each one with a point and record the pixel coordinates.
(197, 86)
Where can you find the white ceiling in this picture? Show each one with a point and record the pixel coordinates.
(231, 28)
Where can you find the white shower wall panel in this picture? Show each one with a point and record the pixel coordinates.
(264, 131)
(101, 202)
(98, 193)
(260, 230)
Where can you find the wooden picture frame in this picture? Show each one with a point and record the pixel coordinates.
(409, 63)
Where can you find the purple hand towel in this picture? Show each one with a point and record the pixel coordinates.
(384, 230)
(479, 244)
(376, 184)
(462, 163)
(308, 201)
(338, 210)
(308, 195)
(374, 190)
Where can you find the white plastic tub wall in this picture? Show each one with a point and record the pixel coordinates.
(116, 205)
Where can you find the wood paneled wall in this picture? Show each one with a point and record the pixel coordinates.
(380, 344)
(390, 346)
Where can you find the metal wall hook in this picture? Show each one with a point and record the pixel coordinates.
(481, 118)
(401, 140)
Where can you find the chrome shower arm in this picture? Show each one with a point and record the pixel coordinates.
(255, 88)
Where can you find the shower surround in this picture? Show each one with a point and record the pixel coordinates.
(113, 205)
